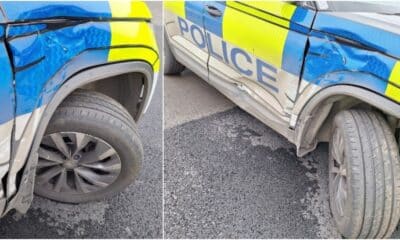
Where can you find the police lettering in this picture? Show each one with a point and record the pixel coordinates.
(230, 55)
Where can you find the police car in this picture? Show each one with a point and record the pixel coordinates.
(314, 72)
(75, 77)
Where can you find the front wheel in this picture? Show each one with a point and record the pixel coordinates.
(90, 150)
(364, 180)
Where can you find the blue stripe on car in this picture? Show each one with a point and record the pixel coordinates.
(214, 24)
(6, 91)
(194, 12)
(293, 52)
(302, 19)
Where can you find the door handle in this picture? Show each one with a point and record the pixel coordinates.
(213, 11)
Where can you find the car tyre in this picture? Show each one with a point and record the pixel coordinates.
(107, 164)
(171, 65)
(364, 180)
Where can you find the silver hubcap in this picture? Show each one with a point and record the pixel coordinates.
(338, 174)
(77, 163)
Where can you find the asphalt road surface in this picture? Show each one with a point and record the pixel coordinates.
(227, 175)
(134, 213)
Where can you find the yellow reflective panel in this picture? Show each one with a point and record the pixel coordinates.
(176, 7)
(131, 34)
(256, 35)
(137, 53)
(277, 12)
(277, 8)
(393, 91)
(129, 9)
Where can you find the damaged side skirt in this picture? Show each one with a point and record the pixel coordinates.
(5, 146)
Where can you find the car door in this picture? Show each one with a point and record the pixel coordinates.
(185, 28)
(256, 54)
(6, 110)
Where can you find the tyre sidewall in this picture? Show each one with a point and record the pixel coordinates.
(345, 223)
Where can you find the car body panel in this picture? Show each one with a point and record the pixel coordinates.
(49, 42)
(176, 20)
(7, 112)
(377, 54)
(269, 72)
(302, 51)
(238, 57)
(22, 11)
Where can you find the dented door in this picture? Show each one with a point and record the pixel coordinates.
(256, 54)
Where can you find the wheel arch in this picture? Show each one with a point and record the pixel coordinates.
(98, 78)
(21, 200)
(313, 123)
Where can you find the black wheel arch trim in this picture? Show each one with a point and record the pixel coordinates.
(305, 117)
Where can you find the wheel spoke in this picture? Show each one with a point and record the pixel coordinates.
(340, 147)
(60, 143)
(90, 176)
(344, 193)
(44, 163)
(109, 166)
(101, 152)
(49, 174)
(339, 207)
(341, 195)
(49, 155)
(336, 155)
(110, 152)
(80, 184)
(344, 172)
(336, 182)
(82, 141)
(47, 141)
(338, 170)
(104, 151)
(61, 181)
(336, 148)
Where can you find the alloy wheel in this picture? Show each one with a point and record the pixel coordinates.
(76, 163)
(338, 174)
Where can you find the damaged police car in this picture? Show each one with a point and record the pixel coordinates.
(314, 72)
(75, 78)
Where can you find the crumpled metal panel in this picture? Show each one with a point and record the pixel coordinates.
(39, 56)
(348, 25)
(23, 29)
(342, 51)
(327, 57)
